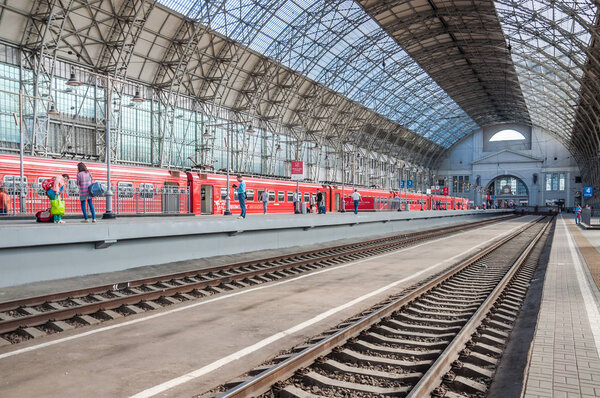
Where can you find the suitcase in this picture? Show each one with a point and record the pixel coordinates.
(321, 209)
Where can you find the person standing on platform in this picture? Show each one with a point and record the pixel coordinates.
(356, 198)
(84, 180)
(296, 202)
(577, 214)
(54, 193)
(4, 201)
(241, 189)
(320, 203)
(264, 197)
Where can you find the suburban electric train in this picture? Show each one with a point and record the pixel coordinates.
(156, 190)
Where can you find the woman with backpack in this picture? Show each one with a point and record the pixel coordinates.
(84, 180)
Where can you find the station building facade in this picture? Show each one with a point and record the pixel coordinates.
(512, 164)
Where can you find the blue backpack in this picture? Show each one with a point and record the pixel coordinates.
(96, 189)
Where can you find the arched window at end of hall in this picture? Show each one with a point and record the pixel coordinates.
(507, 135)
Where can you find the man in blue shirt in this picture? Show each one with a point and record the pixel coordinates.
(241, 189)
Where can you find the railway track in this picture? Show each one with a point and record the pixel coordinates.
(442, 339)
(38, 316)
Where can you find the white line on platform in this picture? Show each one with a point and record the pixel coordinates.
(224, 297)
(277, 336)
(591, 306)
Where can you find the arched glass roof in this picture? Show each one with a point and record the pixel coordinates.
(337, 44)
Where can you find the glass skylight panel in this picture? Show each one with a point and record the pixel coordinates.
(338, 45)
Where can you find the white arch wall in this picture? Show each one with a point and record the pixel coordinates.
(547, 155)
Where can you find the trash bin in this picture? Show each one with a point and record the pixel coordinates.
(303, 207)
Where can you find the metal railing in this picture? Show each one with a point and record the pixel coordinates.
(165, 200)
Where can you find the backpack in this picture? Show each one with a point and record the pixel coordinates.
(44, 216)
(47, 183)
(96, 189)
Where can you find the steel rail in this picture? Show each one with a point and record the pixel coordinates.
(39, 300)
(113, 303)
(263, 381)
(432, 378)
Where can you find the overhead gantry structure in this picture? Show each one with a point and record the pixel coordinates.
(398, 81)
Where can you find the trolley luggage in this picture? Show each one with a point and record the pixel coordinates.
(321, 209)
(44, 216)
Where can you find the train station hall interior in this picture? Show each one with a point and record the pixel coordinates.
(300, 198)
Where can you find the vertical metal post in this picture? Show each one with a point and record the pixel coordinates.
(343, 210)
(227, 197)
(107, 117)
(21, 148)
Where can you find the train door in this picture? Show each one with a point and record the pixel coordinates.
(170, 197)
(336, 202)
(206, 199)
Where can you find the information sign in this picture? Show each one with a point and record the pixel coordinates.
(409, 183)
(588, 192)
(428, 191)
(401, 184)
(297, 170)
(445, 191)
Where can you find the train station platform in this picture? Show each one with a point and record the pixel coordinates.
(31, 252)
(564, 358)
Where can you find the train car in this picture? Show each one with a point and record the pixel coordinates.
(209, 193)
(136, 189)
(153, 190)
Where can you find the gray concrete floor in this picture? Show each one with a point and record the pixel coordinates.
(130, 357)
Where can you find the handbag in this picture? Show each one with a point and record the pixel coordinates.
(57, 207)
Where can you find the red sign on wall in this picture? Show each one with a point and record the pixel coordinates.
(445, 191)
(297, 170)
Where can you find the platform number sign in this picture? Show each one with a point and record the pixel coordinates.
(409, 183)
(401, 184)
(588, 192)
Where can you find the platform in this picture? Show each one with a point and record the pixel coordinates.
(565, 355)
(188, 348)
(81, 249)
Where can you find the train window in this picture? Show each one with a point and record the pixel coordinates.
(271, 196)
(223, 193)
(281, 196)
(290, 196)
(125, 190)
(13, 186)
(250, 195)
(235, 195)
(146, 191)
(72, 188)
(306, 197)
(260, 192)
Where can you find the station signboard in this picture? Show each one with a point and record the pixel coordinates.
(297, 170)
(588, 192)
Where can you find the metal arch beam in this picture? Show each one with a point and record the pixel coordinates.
(41, 39)
(127, 26)
(173, 70)
(452, 30)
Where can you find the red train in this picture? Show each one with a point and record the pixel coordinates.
(154, 190)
